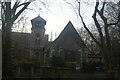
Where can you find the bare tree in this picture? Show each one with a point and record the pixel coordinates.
(20, 25)
(104, 43)
(93, 48)
(101, 15)
(9, 14)
(112, 11)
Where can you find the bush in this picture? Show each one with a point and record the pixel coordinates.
(89, 67)
(57, 61)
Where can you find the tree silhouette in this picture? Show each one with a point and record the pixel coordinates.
(105, 42)
(9, 13)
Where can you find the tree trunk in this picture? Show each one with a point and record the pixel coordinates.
(9, 15)
(7, 67)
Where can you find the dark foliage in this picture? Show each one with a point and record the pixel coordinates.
(89, 67)
(57, 61)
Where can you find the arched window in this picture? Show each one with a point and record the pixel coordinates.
(37, 41)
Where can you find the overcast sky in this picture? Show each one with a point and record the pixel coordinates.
(58, 13)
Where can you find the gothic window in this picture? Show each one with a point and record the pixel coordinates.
(37, 41)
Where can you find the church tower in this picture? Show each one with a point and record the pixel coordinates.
(38, 39)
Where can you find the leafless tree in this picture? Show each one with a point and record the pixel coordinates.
(9, 14)
(101, 15)
(105, 42)
(20, 25)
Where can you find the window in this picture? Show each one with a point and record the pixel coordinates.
(37, 41)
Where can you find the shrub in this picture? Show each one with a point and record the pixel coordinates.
(57, 61)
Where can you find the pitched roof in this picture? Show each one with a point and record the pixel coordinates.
(68, 30)
(38, 18)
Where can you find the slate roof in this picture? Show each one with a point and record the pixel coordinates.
(38, 18)
(68, 30)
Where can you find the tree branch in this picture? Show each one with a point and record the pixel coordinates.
(17, 15)
(72, 7)
(23, 4)
(102, 10)
(107, 37)
(16, 5)
(115, 22)
(116, 29)
(88, 29)
(97, 24)
(102, 16)
(14, 8)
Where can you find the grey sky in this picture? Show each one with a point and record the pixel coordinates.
(57, 13)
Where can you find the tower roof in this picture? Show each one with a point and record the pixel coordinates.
(38, 18)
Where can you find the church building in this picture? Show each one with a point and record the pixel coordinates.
(70, 46)
(33, 49)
